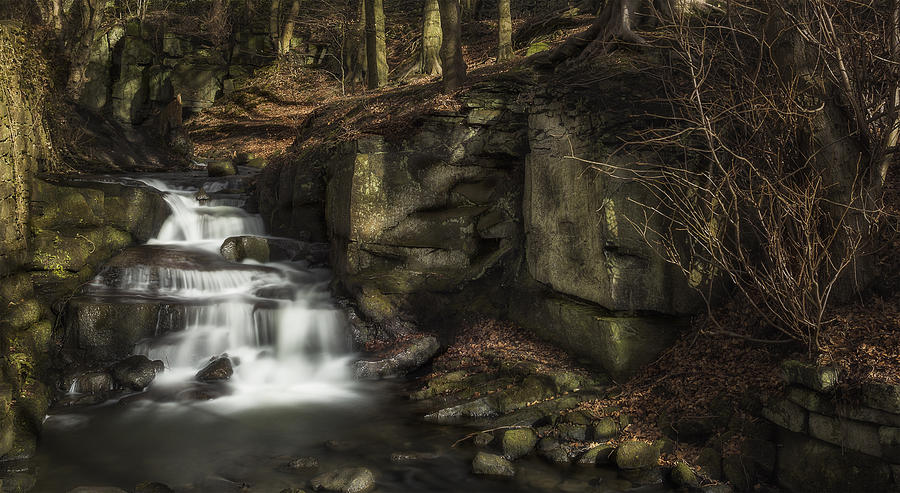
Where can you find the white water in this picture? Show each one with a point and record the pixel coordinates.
(285, 350)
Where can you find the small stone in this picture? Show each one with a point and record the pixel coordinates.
(218, 369)
(635, 454)
(518, 442)
(683, 476)
(153, 487)
(304, 463)
(492, 465)
(482, 440)
(348, 480)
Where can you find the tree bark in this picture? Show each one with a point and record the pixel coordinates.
(356, 66)
(287, 29)
(431, 38)
(275, 24)
(505, 50)
(376, 47)
(451, 46)
(91, 18)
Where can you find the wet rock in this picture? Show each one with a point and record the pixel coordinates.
(348, 480)
(201, 196)
(683, 476)
(518, 443)
(265, 249)
(482, 440)
(407, 457)
(220, 168)
(341, 445)
(218, 369)
(153, 487)
(303, 463)
(492, 465)
(136, 372)
(554, 452)
(635, 454)
(89, 382)
(409, 358)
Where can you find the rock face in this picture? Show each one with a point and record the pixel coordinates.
(489, 197)
(409, 358)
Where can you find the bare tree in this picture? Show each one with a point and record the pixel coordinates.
(504, 48)
(431, 38)
(376, 46)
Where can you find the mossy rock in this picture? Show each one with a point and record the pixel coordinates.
(683, 476)
(710, 463)
(220, 168)
(492, 465)
(537, 48)
(635, 454)
(257, 162)
(598, 455)
(518, 442)
(606, 429)
(21, 314)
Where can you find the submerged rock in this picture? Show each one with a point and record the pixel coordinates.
(348, 480)
(492, 465)
(410, 358)
(218, 369)
(136, 372)
(153, 487)
(303, 463)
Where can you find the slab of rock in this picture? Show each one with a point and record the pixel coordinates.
(348, 480)
(218, 369)
(136, 372)
(492, 465)
(409, 358)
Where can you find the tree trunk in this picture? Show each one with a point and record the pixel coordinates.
(287, 30)
(431, 38)
(505, 50)
(275, 24)
(376, 48)
(451, 47)
(356, 66)
(91, 18)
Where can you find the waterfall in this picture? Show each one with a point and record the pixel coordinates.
(285, 348)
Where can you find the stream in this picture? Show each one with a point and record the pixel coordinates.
(292, 394)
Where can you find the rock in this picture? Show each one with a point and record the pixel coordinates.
(407, 457)
(606, 429)
(554, 452)
(201, 196)
(574, 427)
(710, 463)
(411, 357)
(341, 445)
(740, 472)
(303, 463)
(257, 162)
(492, 465)
(883, 396)
(89, 382)
(518, 442)
(787, 415)
(482, 440)
(136, 372)
(820, 379)
(683, 476)
(267, 249)
(599, 455)
(347, 480)
(634, 454)
(153, 487)
(220, 168)
(696, 430)
(761, 452)
(242, 158)
(218, 369)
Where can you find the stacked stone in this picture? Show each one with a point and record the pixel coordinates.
(831, 444)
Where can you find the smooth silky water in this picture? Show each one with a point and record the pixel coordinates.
(292, 390)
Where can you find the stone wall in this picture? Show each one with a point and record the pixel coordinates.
(827, 442)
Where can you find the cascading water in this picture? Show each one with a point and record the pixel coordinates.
(275, 321)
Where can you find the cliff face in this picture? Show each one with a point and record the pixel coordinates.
(484, 212)
(53, 234)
